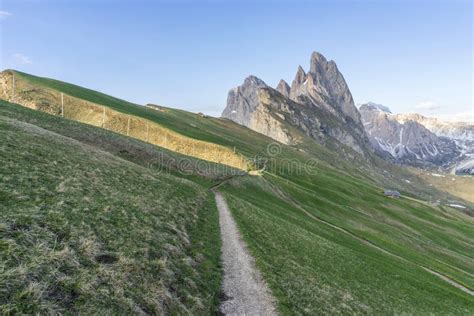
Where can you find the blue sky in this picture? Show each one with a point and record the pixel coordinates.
(413, 56)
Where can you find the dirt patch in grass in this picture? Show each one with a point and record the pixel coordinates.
(106, 258)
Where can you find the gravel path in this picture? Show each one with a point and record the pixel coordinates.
(245, 291)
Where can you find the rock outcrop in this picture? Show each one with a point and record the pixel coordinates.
(319, 104)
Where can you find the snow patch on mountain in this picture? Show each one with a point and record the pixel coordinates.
(405, 139)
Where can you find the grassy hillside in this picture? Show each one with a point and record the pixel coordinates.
(323, 234)
(87, 106)
(88, 225)
(313, 267)
(216, 139)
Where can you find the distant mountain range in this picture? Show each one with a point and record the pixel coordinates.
(418, 140)
(320, 105)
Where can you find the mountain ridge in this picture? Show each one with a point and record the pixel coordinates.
(319, 104)
(418, 140)
(408, 141)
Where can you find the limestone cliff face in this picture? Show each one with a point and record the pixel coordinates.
(244, 99)
(250, 107)
(264, 122)
(318, 104)
(406, 140)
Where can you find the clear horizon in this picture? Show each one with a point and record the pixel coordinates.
(409, 56)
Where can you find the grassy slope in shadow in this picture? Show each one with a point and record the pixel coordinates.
(87, 227)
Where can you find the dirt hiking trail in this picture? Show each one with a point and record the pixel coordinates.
(243, 287)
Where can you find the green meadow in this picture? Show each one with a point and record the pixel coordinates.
(96, 221)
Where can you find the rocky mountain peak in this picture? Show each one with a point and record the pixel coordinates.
(283, 88)
(246, 97)
(298, 83)
(318, 63)
(300, 76)
(254, 81)
(325, 87)
(371, 106)
(318, 103)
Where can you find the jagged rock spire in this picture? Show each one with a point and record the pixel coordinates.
(318, 61)
(283, 88)
(325, 86)
(315, 96)
(300, 75)
(298, 82)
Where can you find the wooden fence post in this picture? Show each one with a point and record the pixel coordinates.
(147, 134)
(103, 117)
(128, 126)
(62, 104)
(13, 84)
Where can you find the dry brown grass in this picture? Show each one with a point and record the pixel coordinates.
(49, 101)
(459, 186)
